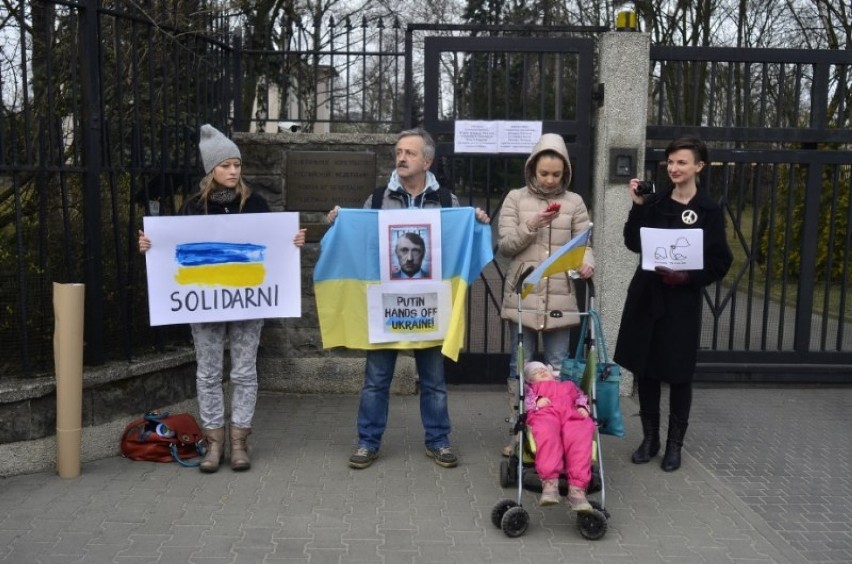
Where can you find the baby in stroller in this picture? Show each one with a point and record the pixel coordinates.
(558, 417)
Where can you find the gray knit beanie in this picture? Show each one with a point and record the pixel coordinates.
(215, 148)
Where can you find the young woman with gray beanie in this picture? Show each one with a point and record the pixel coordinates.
(223, 191)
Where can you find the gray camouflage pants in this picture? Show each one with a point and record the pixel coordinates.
(244, 337)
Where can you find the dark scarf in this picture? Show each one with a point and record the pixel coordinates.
(223, 196)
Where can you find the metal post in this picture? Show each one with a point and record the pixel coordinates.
(240, 122)
(409, 80)
(90, 81)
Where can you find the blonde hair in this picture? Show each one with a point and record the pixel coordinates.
(208, 184)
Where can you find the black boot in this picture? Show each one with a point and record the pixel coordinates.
(650, 438)
(677, 430)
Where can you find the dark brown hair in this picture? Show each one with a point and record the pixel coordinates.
(694, 144)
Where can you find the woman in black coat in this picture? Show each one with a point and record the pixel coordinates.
(660, 326)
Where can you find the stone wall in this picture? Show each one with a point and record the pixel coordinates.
(113, 395)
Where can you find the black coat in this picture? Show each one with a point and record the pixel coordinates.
(660, 325)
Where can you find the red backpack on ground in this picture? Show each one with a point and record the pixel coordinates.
(160, 437)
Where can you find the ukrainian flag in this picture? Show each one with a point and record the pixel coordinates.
(235, 265)
(567, 257)
(349, 262)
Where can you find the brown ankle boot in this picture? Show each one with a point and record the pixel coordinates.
(577, 500)
(215, 450)
(239, 449)
(549, 492)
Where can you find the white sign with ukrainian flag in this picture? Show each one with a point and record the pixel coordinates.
(209, 268)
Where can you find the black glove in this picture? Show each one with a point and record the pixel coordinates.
(672, 277)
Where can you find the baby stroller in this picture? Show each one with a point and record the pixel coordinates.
(510, 515)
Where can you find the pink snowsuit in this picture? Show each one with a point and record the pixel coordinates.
(563, 436)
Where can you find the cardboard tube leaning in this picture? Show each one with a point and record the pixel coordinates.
(68, 361)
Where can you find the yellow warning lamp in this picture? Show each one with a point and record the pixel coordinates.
(626, 21)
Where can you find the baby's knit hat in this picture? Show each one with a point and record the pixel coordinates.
(215, 148)
(534, 366)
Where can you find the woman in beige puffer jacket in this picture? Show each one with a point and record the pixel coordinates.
(528, 234)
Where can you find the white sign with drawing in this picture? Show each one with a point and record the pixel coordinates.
(678, 249)
(222, 267)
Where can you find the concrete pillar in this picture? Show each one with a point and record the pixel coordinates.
(621, 121)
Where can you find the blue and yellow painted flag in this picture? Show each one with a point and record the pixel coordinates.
(349, 262)
(567, 257)
(235, 265)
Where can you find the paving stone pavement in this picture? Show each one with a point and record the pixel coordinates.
(766, 479)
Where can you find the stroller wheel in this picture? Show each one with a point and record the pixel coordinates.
(504, 474)
(515, 521)
(597, 505)
(592, 524)
(500, 509)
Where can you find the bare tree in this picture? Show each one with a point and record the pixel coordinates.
(592, 13)
(824, 24)
(429, 11)
(821, 24)
(760, 23)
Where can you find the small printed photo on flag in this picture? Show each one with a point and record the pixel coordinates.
(411, 257)
(410, 245)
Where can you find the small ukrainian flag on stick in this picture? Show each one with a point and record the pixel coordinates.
(568, 257)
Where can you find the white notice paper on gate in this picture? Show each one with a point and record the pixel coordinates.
(496, 136)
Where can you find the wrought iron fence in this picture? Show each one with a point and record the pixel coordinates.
(778, 125)
(101, 102)
(335, 76)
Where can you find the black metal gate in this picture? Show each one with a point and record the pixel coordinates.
(778, 126)
(777, 122)
(545, 79)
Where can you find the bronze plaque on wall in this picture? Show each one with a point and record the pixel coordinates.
(320, 180)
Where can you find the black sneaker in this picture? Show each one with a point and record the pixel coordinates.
(443, 456)
(362, 457)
